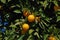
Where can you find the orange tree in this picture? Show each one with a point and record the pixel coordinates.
(29, 20)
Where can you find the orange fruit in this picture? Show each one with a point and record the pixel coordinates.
(31, 18)
(51, 38)
(56, 8)
(26, 13)
(25, 27)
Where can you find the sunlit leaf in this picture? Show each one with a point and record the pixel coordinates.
(58, 18)
(21, 38)
(3, 1)
(30, 31)
(17, 11)
(45, 36)
(9, 0)
(59, 37)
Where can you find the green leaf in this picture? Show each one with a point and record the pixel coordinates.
(6, 38)
(3, 1)
(12, 6)
(11, 37)
(21, 38)
(17, 11)
(13, 26)
(58, 18)
(45, 36)
(59, 37)
(0, 35)
(45, 3)
(56, 3)
(17, 5)
(30, 37)
(30, 31)
(9, 0)
(0, 38)
(58, 12)
(17, 20)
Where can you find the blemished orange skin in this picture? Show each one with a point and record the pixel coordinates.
(26, 13)
(51, 38)
(56, 8)
(31, 18)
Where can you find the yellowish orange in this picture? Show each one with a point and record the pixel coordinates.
(31, 18)
(51, 38)
(25, 27)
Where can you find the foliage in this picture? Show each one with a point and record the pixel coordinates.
(12, 18)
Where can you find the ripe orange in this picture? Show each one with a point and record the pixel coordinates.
(26, 13)
(51, 38)
(31, 18)
(25, 27)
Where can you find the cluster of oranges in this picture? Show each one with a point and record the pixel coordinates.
(30, 17)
